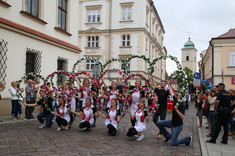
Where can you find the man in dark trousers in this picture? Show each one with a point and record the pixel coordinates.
(223, 109)
(162, 94)
(30, 91)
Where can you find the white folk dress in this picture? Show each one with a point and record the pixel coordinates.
(113, 116)
(140, 126)
(135, 101)
(63, 111)
(89, 114)
(85, 96)
(112, 95)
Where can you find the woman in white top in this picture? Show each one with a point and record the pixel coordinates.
(86, 91)
(140, 117)
(112, 117)
(136, 95)
(112, 93)
(211, 100)
(16, 107)
(62, 114)
(88, 113)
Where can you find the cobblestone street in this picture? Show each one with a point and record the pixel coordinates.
(25, 138)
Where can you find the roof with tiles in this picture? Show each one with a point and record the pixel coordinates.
(229, 34)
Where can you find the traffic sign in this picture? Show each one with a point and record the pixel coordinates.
(196, 83)
(197, 75)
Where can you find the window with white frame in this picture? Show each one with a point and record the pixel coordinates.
(126, 13)
(93, 16)
(62, 14)
(93, 41)
(90, 64)
(125, 40)
(32, 7)
(232, 58)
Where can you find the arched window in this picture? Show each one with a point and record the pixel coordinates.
(187, 58)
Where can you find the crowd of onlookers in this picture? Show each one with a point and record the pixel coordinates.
(217, 106)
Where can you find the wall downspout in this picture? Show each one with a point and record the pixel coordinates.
(150, 28)
(110, 37)
(212, 68)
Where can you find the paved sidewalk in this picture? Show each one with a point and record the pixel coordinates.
(218, 149)
(8, 119)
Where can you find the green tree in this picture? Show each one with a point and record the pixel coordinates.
(189, 74)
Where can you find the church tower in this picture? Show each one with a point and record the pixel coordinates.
(189, 56)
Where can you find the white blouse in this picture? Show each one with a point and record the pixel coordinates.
(112, 120)
(135, 101)
(89, 115)
(140, 126)
(64, 113)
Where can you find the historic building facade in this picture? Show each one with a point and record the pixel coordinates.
(36, 36)
(189, 56)
(120, 29)
(218, 61)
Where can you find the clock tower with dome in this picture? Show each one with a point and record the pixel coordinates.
(189, 56)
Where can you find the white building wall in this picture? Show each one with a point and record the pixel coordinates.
(49, 11)
(110, 41)
(17, 57)
(22, 31)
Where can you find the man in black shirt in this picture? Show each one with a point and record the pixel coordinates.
(162, 94)
(46, 104)
(223, 109)
(176, 124)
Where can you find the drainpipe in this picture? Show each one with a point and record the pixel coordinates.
(212, 68)
(110, 37)
(150, 27)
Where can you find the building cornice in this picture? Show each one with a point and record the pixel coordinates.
(7, 24)
(223, 41)
(129, 30)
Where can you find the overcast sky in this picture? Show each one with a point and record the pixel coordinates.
(200, 20)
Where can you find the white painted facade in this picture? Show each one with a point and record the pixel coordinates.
(21, 31)
(144, 28)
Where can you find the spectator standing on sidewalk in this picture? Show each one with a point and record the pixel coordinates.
(2, 87)
(176, 123)
(223, 109)
(30, 91)
(188, 99)
(231, 121)
(201, 97)
(16, 109)
(211, 100)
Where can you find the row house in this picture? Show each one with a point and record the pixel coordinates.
(217, 63)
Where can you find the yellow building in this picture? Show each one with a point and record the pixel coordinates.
(218, 61)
